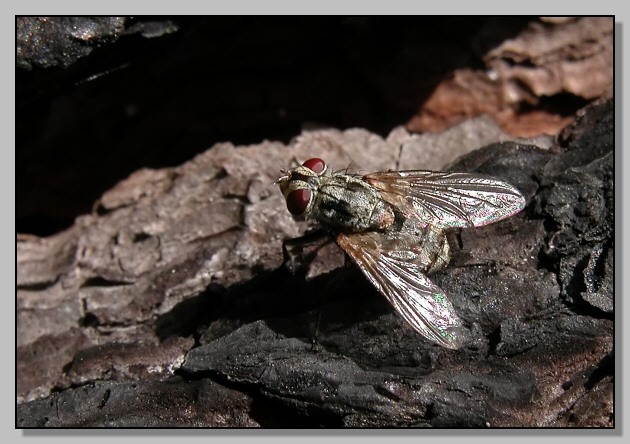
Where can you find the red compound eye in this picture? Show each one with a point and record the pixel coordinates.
(315, 164)
(298, 200)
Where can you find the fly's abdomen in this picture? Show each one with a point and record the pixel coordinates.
(440, 254)
(429, 244)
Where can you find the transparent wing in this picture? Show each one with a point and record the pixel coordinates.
(448, 200)
(397, 275)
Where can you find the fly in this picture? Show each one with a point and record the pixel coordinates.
(392, 224)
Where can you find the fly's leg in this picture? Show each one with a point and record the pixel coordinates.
(314, 342)
(314, 255)
(296, 252)
(331, 284)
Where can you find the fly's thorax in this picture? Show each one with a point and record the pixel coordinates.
(347, 203)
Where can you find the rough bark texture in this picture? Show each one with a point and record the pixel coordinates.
(180, 271)
(529, 81)
(170, 303)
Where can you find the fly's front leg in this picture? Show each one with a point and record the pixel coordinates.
(299, 251)
(314, 254)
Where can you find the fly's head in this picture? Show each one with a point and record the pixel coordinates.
(300, 185)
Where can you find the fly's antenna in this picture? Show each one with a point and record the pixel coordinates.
(285, 176)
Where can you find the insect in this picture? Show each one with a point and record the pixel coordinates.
(392, 224)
